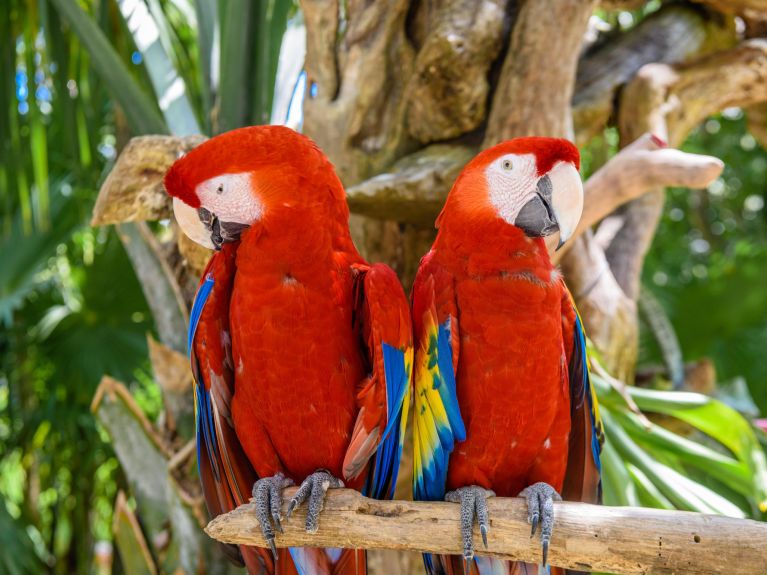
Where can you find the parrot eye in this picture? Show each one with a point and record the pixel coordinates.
(220, 189)
(507, 165)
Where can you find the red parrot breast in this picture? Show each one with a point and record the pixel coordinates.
(513, 391)
(297, 361)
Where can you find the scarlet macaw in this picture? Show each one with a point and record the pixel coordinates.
(503, 404)
(301, 350)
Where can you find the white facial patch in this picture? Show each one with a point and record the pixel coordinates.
(511, 181)
(231, 198)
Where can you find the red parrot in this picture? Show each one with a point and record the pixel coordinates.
(301, 350)
(503, 404)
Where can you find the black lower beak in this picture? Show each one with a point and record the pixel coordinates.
(215, 234)
(220, 232)
(536, 218)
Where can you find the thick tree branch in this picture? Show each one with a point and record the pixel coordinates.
(535, 87)
(671, 100)
(448, 92)
(586, 537)
(674, 33)
(354, 106)
(609, 314)
(686, 94)
(415, 188)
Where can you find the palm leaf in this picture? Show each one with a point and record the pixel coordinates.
(139, 108)
(148, 30)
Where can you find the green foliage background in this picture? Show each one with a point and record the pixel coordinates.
(708, 262)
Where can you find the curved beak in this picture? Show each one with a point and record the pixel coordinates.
(204, 227)
(189, 220)
(566, 199)
(556, 205)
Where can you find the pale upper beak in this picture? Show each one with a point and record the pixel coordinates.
(188, 219)
(556, 205)
(566, 198)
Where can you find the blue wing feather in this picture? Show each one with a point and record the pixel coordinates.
(199, 303)
(206, 433)
(383, 478)
(584, 389)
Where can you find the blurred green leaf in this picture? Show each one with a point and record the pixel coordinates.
(151, 34)
(25, 256)
(21, 556)
(139, 108)
(682, 492)
(237, 35)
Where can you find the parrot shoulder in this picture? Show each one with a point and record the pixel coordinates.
(382, 317)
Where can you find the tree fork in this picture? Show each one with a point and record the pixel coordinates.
(621, 540)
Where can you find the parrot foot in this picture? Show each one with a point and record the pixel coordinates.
(314, 488)
(473, 500)
(540, 510)
(267, 493)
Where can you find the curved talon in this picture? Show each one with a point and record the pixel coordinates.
(540, 511)
(267, 493)
(314, 488)
(473, 500)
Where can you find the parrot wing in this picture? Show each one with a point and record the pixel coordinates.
(438, 424)
(225, 472)
(583, 480)
(382, 316)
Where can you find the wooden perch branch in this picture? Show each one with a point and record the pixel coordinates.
(620, 540)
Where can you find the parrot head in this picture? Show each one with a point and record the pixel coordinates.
(238, 178)
(531, 183)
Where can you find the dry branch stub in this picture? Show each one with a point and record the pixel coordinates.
(133, 191)
(621, 540)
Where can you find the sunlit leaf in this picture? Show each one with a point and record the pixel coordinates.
(169, 86)
(139, 108)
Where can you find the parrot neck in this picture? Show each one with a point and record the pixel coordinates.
(493, 247)
(299, 235)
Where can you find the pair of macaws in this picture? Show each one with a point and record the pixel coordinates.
(303, 352)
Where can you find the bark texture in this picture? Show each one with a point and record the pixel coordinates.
(621, 540)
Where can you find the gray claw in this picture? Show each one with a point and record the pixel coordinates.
(473, 500)
(540, 510)
(534, 521)
(314, 488)
(267, 493)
